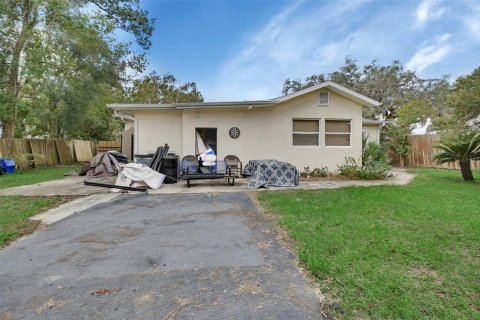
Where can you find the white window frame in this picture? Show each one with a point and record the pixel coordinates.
(328, 98)
(341, 133)
(312, 133)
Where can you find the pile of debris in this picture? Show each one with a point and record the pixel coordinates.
(130, 176)
(157, 159)
(104, 164)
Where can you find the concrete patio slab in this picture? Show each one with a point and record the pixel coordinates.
(399, 177)
(197, 256)
(75, 186)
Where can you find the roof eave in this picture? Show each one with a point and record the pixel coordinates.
(139, 106)
(194, 105)
(341, 90)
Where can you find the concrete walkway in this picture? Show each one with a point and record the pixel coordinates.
(72, 207)
(197, 256)
(75, 186)
(400, 177)
(68, 186)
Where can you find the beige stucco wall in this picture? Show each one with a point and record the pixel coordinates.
(157, 127)
(266, 132)
(373, 132)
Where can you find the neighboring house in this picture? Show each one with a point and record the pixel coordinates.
(315, 127)
(371, 129)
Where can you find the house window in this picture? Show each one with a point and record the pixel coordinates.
(306, 132)
(337, 133)
(323, 99)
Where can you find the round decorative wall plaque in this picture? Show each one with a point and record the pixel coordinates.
(234, 132)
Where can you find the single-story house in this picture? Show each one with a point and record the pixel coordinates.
(315, 127)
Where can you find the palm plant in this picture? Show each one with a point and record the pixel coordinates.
(463, 151)
(372, 152)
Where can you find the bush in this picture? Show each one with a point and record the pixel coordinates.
(305, 173)
(349, 169)
(320, 172)
(315, 173)
(372, 152)
(370, 171)
(376, 170)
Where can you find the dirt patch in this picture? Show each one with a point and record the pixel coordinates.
(67, 257)
(92, 238)
(6, 315)
(29, 227)
(105, 291)
(178, 222)
(144, 204)
(181, 304)
(423, 273)
(64, 199)
(51, 303)
(250, 288)
(146, 299)
(329, 178)
(130, 232)
(264, 244)
(234, 212)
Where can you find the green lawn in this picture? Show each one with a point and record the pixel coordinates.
(390, 252)
(15, 210)
(24, 177)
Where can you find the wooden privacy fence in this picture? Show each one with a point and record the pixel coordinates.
(103, 146)
(423, 151)
(46, 152)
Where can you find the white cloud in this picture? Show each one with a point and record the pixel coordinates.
(472, 21)
(427, 11)
(314, 37)
(430, 54)
(290, 45)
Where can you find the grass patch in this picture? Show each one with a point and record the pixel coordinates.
(15, 211)
(390, 252)
(33, 176)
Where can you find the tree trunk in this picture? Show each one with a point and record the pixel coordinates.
(29, 20)
(7, 130)
(466, 170)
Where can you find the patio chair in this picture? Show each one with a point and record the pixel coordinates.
(233, 165)
(189, 164)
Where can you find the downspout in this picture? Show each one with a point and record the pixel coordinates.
(124, 116)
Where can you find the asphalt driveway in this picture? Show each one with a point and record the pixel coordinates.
(194, 256)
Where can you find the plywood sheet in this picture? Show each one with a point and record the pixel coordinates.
(64, 154)
(83, 150)
(51, 152)
(39, 152)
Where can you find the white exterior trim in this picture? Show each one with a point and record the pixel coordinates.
(122, 115)
(340, 90)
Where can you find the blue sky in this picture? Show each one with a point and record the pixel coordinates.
(238, 50)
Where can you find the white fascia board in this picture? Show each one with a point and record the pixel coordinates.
(139, 106)
(341, 90)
